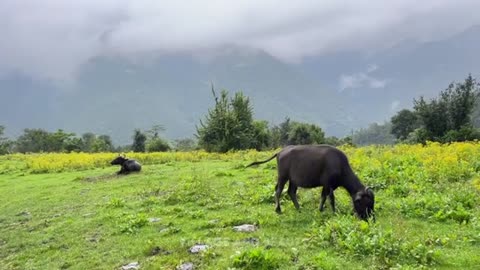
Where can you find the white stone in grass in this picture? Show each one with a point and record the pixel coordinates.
(198, 248)
(245, 228)
(153, 220)
(185, 266)
(131, 266)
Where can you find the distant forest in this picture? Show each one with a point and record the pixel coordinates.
(454, 115)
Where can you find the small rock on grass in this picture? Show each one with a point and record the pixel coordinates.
(198, 248)
(185, 266)
(153, 220)
(245, 228)
(131, 266)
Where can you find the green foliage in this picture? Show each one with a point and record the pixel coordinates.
(444, 117)
(374, 134)
(185, 144)
(465, 133)
(116, 203)
(256, 258)
(404, 123)
(39, 140)
(262, 136)
(427, 209)
(332, 140)
(73, 145)
(303, 133)
(361, 239)
(293, 133)
(102, 143)
(154, 132)
(133, 223)
(157, 145)
(228, 126)
(5, 143)
(280, 133)
(441, 207)
(139, 139)
(88, 139)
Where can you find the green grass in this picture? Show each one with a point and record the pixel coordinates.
(94, 219)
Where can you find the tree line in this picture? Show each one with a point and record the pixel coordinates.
(230, 125)
(40, 140)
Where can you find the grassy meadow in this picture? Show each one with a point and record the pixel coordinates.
(70, 211)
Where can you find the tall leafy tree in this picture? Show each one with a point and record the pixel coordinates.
(403, 123)
(33, 140)
(451, 111)
(228, 125)
(88, 139)
(139, 139)
(5, 143)
(304, 133)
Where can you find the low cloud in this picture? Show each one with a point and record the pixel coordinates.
(51, 38)
(361, 80)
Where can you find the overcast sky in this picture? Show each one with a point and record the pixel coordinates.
(52, 38)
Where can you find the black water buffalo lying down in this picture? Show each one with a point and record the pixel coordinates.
(127, 165)
(309, 166)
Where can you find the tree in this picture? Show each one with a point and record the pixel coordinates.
(73, 144)
(284, 131)
(452, 110)
(261, 135)
(374, 134)
(157, 145)
(186, 144)
(33, 140)
(5, 143)
(154, 142)
(88, 139)
(303, 133)
(403, 123)
(139, 141)
(102, 143)
(155, 131)
(280, 133)
(227, 126)
(461, 100)
(57, 140)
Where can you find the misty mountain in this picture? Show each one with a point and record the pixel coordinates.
(340, 91)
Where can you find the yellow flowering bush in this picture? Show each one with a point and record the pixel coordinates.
(380, 165)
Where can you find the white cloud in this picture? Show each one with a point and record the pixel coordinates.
(361, 79)
(395, 105)
(51, 38)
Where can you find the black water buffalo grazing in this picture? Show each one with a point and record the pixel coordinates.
(127, 165)
(310, 166)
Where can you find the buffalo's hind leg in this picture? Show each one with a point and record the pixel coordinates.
(282, 180)
(325, 192)
(292, 192)
(332, 200)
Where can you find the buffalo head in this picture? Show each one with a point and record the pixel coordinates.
(364, 203)
(119, 160)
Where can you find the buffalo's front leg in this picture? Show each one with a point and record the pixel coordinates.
(292, 192)
(325, 191)
(278, 191)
